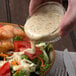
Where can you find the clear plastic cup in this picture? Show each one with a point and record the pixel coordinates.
(54, 35)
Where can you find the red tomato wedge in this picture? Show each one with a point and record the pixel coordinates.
(22, 45)
(1, 25)
(32, 56)
(5, 70)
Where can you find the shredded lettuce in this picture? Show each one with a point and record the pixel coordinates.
(48, 48)
(24, 57)
(20, 73)
(17, 38)
(44, 56)
(46, 67)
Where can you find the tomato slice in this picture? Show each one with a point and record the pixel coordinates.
(22, 45)
(5, 70)
(32, 56)
(1, 25)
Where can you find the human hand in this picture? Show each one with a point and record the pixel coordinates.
(69, 19)
(67, 22)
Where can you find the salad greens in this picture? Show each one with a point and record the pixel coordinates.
(17, 38)
(45, 56)
(28, 67)
(46, 67)
(21, 73)
(48, 48)
(24, 56)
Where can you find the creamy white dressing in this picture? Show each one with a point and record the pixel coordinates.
(44, 24)
(32, 49)
(16, 67)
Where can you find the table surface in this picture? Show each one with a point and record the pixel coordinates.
(60, 63)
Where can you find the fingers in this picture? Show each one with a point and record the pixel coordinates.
(33, 5)
(66, 27)
(68, 21)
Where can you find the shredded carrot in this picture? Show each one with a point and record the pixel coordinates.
(42, 63)
(18, 70)
(4, 55)
(15, 62)
(18, 62)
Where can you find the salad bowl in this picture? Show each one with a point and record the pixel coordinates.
(16, 61)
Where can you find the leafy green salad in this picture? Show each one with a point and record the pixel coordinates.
(24, 64)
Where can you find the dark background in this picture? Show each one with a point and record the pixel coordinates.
(16, 11)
